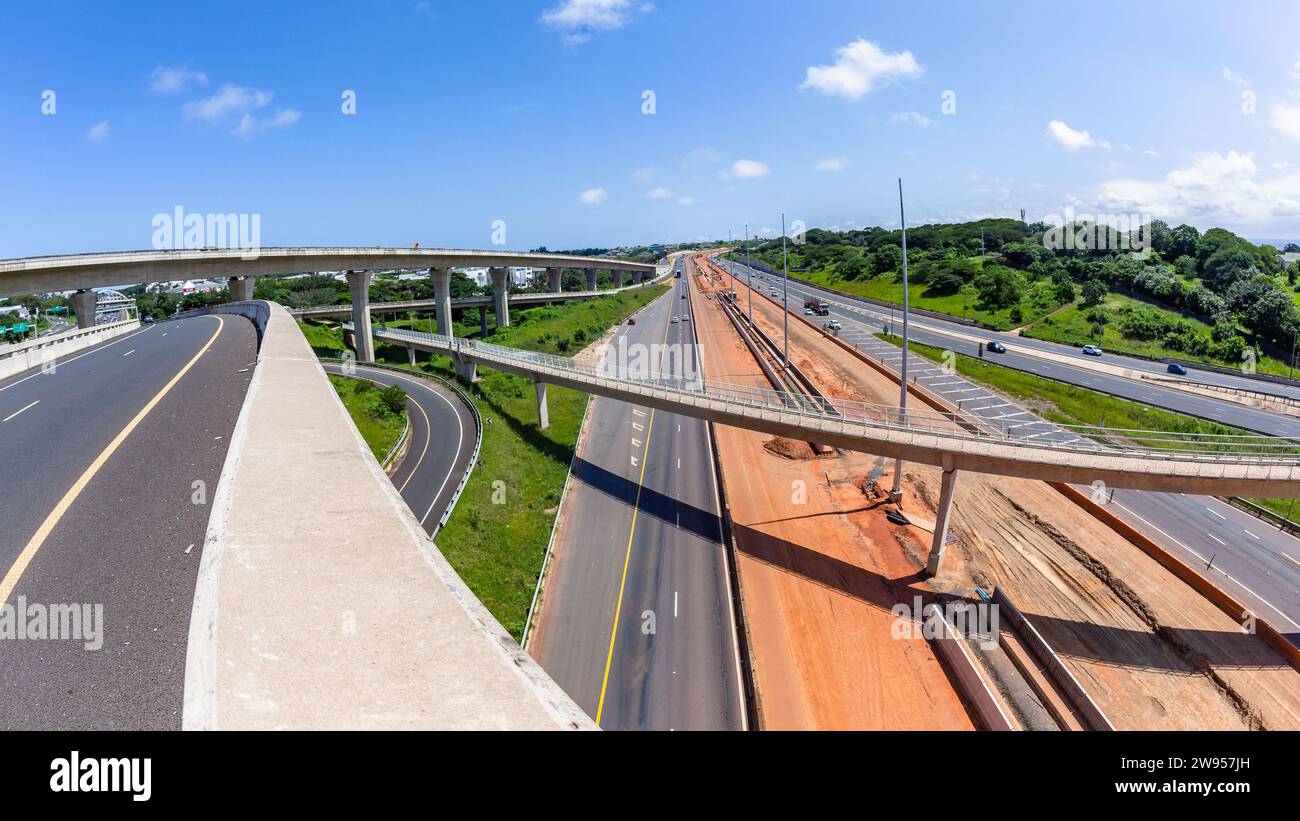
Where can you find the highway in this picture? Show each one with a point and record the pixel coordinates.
(112, 461)
(872, 319)
(443, 432)
(636, 621)
(1252, 559)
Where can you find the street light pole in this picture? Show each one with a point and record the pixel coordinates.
(785, 296)
(749, 276)
(897, 493)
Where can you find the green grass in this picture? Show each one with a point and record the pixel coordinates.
(379, 427)
(1073, 405)
(960, 305)
(1072, 327)
(498, 548)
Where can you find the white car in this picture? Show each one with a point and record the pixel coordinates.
(834, 325)
(675, 319)
(685, 318)
(808, 312)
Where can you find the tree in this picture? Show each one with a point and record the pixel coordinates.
(1229, 265)
(1094, 291)
(885, 259)
(1184, 241)
(999, 286)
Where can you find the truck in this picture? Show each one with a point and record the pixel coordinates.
(817, 306)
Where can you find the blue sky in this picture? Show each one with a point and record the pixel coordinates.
(532, 113)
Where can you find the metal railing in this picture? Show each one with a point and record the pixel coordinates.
(849, 415)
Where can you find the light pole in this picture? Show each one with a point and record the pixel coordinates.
(785, 296)
(749, 276)
(897, 493)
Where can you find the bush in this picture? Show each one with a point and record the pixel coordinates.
(392, 400)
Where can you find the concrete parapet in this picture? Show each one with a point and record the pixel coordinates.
(43, 350)
(320, 601)
(989, 708)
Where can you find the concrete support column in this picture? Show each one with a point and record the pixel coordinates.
(636, 277)
(466, 370)
(442, 296)
(543, 418)
(501, 295)
(943, 516)
(83, 305)
(553, 279)
(410, 355)
(364, 340)
(616, 277)
(591, 278)
(241, 289)
(482, 316)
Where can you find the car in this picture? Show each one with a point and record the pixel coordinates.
(1174, 367)
(631, 320)
(807, 311)
(995, 347)
(834, 325)
(685, 318)
(146, 319)
(1091, 350)
(683, 296)
(676, 319)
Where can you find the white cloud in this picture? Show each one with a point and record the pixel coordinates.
(592, 196)
(250, 126)
(749, 169)
(1215, 188)
(687, 201)
(175, 78)
(1235, 78)
(1150, 152)
(1285, 118)
(98, 131)
(659, 193)
(860, 67)
(230, 99)
(580, 19)
(832, 164)
(915, 118)
(1072, 140)
(644, 174)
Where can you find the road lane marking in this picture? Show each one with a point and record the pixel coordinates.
(20, 564)
(128, 353)
(1251, 535)
(20, 410)
(61, 362)
(1217, 513)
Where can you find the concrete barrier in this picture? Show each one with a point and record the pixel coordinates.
(951, 647)
(1093, 717)
(33, 353)
(320, 602)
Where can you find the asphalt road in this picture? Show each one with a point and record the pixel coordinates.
(1245, 555)
(131, 539)
(870, 319)
(637, 623)
(442, 442)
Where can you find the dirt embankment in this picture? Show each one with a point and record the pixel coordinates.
(1150, 650)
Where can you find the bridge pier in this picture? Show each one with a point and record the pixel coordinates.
(636, 277)
(591, 278)
(543, 418)
(482, 318)
(241, 289)
(466, 370)
(442, 296)
(501, 295)
(943, 516)
(410, 355)
(616, 277)
(83, 305)
(553, 279)
(363, 339)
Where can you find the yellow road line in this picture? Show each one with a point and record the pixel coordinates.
(20, 564)
(618, 608)
(627, 558)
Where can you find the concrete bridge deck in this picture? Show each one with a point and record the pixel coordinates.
(1143, 460)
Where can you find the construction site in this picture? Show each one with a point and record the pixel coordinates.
(1095, 626)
